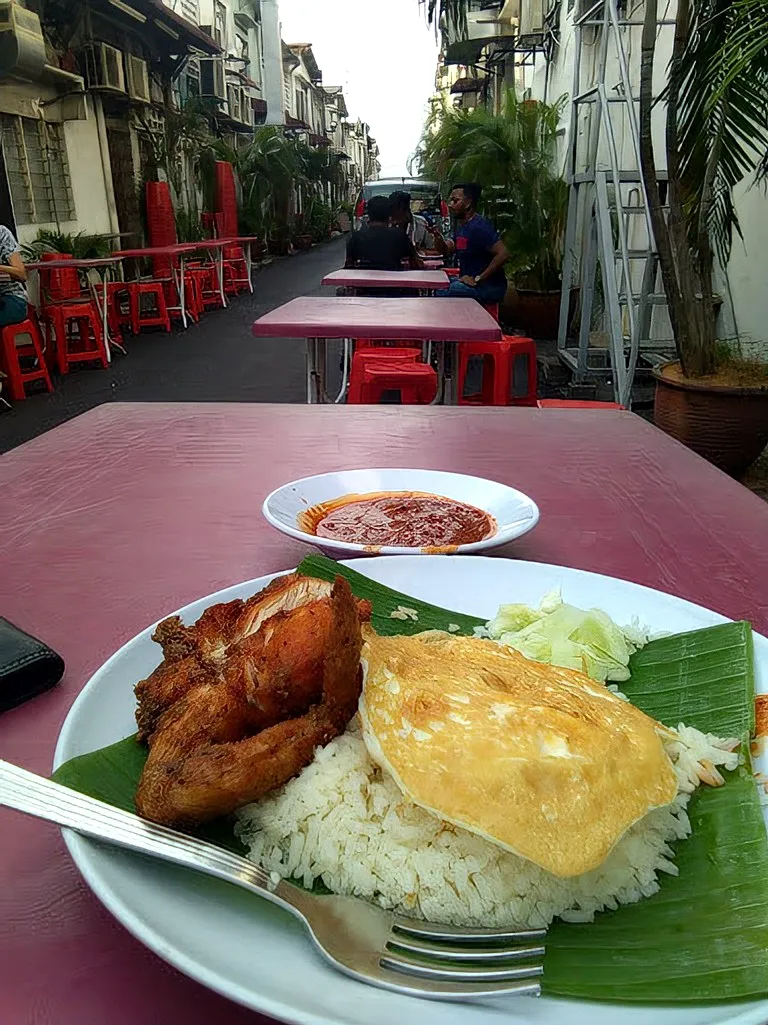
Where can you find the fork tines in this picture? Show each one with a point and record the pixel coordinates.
(494, 960)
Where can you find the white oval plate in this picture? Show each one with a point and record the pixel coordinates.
(514, 513)
(255, 954)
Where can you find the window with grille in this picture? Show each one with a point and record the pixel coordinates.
(38, 170)
(190, 9)
(220, 23)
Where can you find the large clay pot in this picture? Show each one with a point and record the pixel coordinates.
(537, 314)
(726, 425)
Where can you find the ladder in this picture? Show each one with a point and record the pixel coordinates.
(608, 223)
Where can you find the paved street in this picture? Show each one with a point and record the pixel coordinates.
(216, 360)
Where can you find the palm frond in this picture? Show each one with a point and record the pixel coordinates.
(513, 155)
(722, 113)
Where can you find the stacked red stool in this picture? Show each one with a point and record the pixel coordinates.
(161, 224)
(31, 352)
(416, 382)
(499, 359)
(235, 267)
(71, 317)
(377, 369)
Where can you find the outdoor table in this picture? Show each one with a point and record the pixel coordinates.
(246, 241)
(216, 246)
(421, 280)
(102, 265)
(404, 320)
(165, 509)
(179, 251)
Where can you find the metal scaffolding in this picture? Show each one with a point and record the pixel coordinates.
(609, 225)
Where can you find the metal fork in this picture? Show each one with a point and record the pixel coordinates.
(370, 944)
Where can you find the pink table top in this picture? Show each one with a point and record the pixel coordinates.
(387, 278)
(178, 249)
(241, 239)
(101, 261)
(99, 540)
(420, 319)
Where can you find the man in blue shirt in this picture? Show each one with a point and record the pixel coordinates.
(480, 251)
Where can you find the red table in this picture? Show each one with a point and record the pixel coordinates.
(419, 319)
(246, 241)
(424, 280)
(166, 508)
(179, 251)
(101, 264)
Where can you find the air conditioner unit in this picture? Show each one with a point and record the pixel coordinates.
(531, 17)
(212, 81)
(138, 78)
(104, 67)
(156, 94)
(22, 46)
(233, 98)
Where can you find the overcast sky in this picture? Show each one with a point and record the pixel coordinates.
(385, 60)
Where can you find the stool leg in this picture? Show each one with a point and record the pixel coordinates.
(37, 343)
(13, 368)
(99, 340)
(62, 343)
(133, 304)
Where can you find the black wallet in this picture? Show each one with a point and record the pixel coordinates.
(27, 666)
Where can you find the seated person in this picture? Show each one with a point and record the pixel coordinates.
(415, 226)
(13, 274)
(481, 253)
(377, 245)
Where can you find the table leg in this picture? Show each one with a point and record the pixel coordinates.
(346, 359)
(182, 292)
(451, 358)
(105, 303)
(322, 358)
(222, 293)
(104, 316)
(312, 374)
(249, 266)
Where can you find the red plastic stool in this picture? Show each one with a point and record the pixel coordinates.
(12, 354)
(366, 356)
(498, 372)
(119, 302)
(140, 318)
(373, 343)
(416, 382)
(88, 345)
(577, 404)
(452, 272)
(493, 309)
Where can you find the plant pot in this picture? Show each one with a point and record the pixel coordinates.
(279, 246)
(303, 242)
(535, 313)
(726, 424)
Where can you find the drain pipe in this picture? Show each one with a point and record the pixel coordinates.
(106, 164)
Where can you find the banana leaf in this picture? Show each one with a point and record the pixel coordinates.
(704, 936)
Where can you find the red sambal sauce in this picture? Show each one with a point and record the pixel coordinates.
(403, 519)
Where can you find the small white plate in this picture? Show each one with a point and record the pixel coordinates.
(259, 956)
(513, 512)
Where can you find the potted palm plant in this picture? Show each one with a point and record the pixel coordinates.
(513, 155)
(716, 134)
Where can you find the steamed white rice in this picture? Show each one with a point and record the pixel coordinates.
(345, 823)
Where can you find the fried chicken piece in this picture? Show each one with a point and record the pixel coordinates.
(272, 645)
(204, 763)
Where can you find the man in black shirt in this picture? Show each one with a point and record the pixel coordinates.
(377, 246)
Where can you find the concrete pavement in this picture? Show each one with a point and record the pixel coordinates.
(217, 360)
